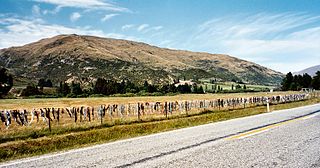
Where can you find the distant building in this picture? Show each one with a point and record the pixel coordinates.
(189, 82)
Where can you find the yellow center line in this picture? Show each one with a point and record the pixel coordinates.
(263, 129)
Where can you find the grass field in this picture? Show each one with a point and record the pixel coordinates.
(96, 101)
(228, 86)
(31, 142)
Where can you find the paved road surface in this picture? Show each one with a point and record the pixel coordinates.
(287, 138)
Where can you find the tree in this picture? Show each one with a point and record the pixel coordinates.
(31, 90)
(184, 88)
(244, 87)
(287, 81)
(41, 82)
(306, 80)
(195, 88)
(6, 82)
(172, 88)
(296, 83)
(200, 90)
(44, 83)
(164, 89)
(64, 89)
(238, 87)
(76, 89)
(48, 83)
(99, 87)
(316, 81)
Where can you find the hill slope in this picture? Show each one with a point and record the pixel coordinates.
(311, 71)
(70, 57)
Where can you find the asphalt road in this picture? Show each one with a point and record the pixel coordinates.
(286, 138)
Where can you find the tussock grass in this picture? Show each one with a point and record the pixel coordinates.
(43, 141)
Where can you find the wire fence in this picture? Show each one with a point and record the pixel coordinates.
(46, 117)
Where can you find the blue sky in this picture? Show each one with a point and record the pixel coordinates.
(283, 35)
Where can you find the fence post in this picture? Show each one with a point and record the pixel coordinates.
(49, 118)
(166, 109)
(268, 108)
(186, 107)
(101, 110)
(138, 111)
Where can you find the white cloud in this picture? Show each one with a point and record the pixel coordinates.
(20, 31)
(86, 4)
(36, 10)
(157, 28)
(142, 27)
(108, 17)
(267, 39)
(127, 27)
(17, 31)
(54, 11)
(152, 29)
(122, 36)
(75, 16)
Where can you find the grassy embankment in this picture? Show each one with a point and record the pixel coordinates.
(67, 138)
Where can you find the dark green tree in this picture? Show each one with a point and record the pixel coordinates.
(316, 81)
(287, 82)
(31, 90)
(100, 86)
(164, 88)
(41, 82)
(238, 87)
(172, 88)
(195, 88)
(76, 88)
(64, 88)
(200, 90)
(48, 83)
(6, 82)
(44, 83)
(306, 80)
(184, 88)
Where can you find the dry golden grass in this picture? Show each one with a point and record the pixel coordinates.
(96, 101)
(68, 123)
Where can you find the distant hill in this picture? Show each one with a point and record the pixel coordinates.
(85, 58)
(311, 71)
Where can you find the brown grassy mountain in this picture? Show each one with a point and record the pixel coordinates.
(71, 57)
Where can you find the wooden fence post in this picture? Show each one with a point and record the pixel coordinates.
(166, 109)
(138, 111)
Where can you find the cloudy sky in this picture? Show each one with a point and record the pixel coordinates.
(283, 35)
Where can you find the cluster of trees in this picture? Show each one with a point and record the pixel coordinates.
(110, 87)
(297, 82)
(44, 83)
(238, 87)
(6, 82)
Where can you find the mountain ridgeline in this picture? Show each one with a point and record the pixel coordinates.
(86, 58)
